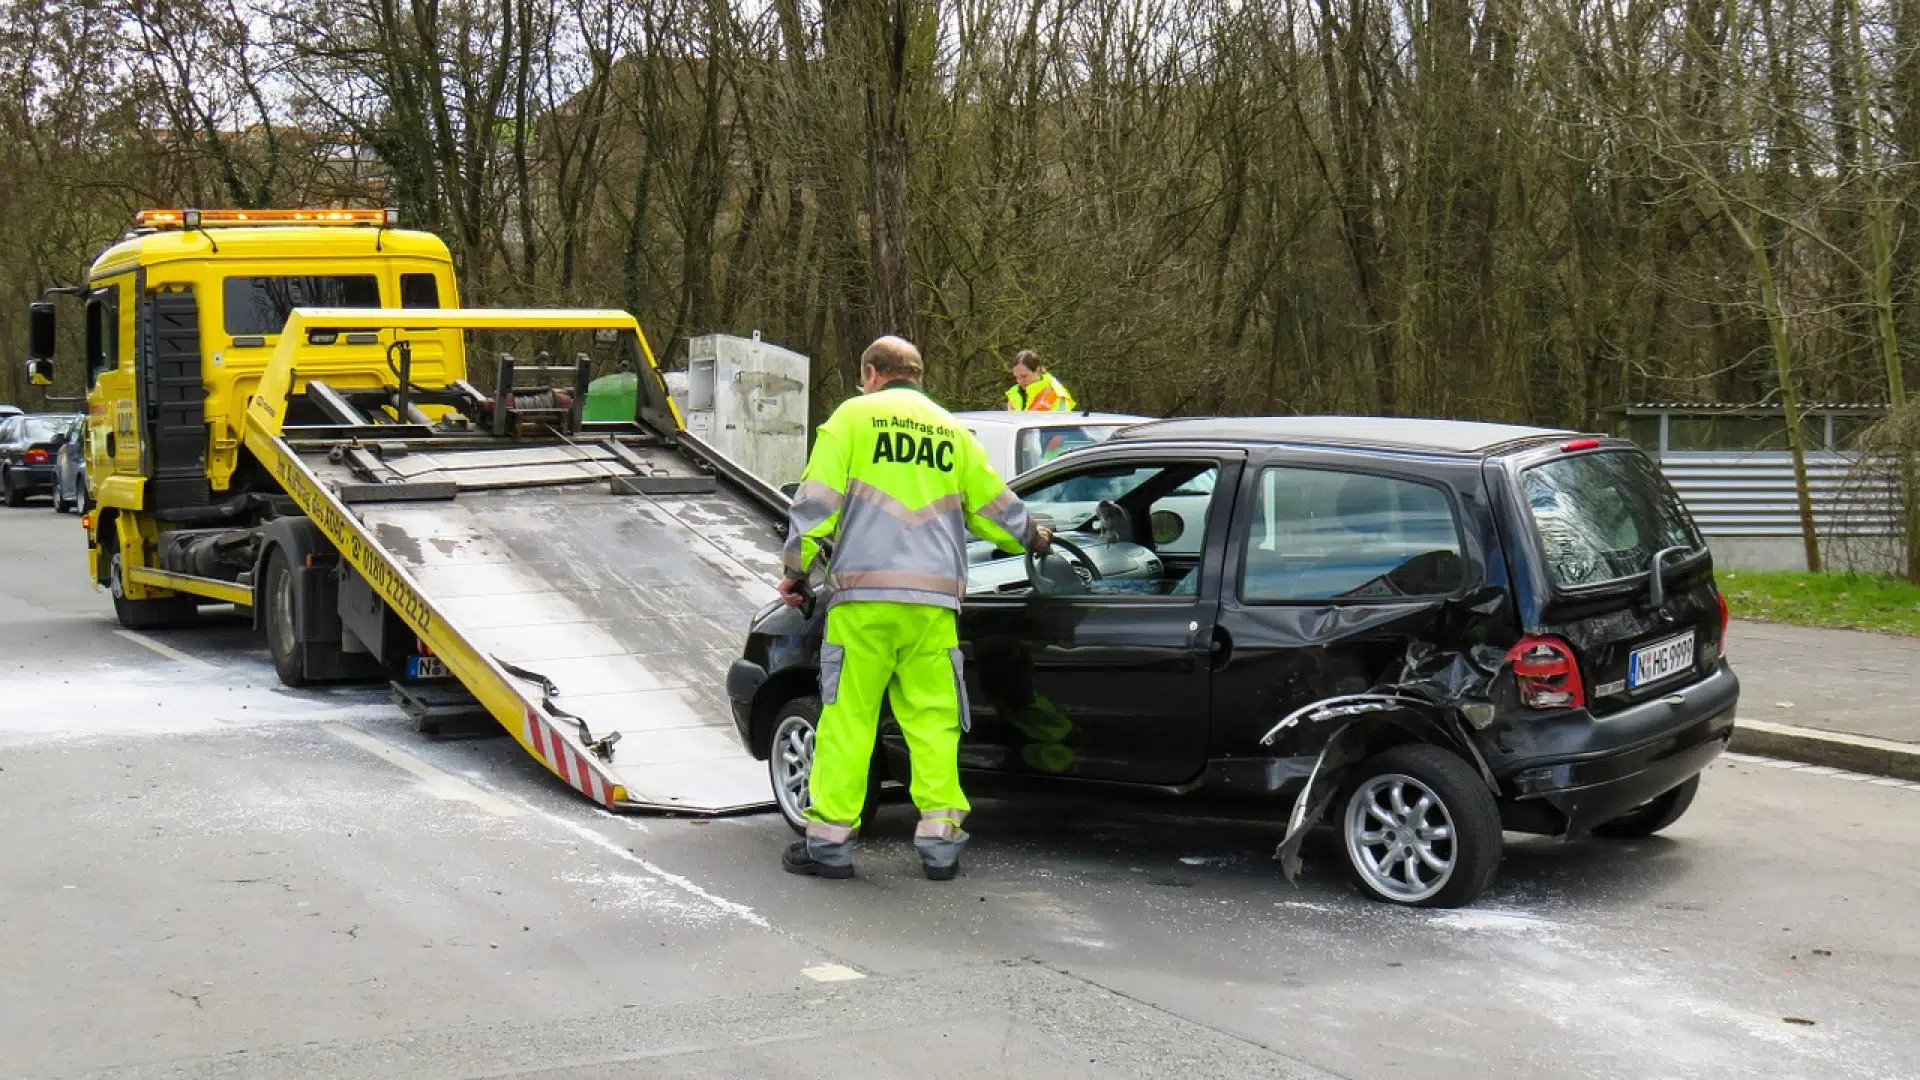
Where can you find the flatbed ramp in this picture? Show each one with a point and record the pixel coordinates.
(589, 593)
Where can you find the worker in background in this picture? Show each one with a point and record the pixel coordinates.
(895, 484)
(1034, 388)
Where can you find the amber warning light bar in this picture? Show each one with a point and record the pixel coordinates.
(201, 219)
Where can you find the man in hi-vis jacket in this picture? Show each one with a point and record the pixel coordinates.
(896, 485)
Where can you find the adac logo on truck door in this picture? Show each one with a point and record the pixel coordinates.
(912, 442)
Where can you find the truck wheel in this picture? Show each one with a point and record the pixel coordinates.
(1653, 815)
(15, 496)
(146, 614)
(790, 764)
(1420, 828)
(277, 611)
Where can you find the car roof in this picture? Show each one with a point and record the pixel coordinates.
(1356, 432)
(1009, 418)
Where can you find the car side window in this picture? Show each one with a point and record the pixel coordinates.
(1141, 527)
(1318, 534)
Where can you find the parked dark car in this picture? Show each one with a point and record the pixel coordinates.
(1419, 631)
(27, 446)
(70, 470)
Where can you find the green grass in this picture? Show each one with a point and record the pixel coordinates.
(1851, 601)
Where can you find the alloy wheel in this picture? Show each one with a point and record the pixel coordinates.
(792, 761)
(1400, 837)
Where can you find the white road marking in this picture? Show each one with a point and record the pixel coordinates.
(166, 650)
(831, 973)
(443, 784)
(620, 851)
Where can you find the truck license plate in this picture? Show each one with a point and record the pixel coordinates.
(426, 667)
(1660, 660)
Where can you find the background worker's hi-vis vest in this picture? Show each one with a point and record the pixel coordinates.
(1045, 394)
(897, 484)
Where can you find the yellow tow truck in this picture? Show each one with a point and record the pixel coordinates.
(279, 417)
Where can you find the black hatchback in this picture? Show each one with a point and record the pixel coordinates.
(1418, 631)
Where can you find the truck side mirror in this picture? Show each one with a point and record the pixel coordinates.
(40, 331)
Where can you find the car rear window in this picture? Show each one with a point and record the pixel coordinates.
(1042, 444)
(1601, 517)
(260, 305)
(40, 428)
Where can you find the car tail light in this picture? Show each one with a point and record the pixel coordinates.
(36, 456)
(1724, 616)
(1577, 445)
(1547, 675)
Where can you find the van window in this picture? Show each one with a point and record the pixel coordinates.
(260, 305)
(1042, 444)
(419, 291)
(1324, 535)
(1600, 517)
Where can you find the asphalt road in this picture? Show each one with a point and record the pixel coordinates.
(202, 874)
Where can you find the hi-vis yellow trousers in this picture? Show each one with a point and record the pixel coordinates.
(908, 653)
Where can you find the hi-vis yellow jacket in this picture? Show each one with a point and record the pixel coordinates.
(1047, 394)
(897, 484)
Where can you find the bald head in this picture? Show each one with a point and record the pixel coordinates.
(890, 358)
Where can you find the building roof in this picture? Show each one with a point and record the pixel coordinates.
(1758, 408)
(1369, 432)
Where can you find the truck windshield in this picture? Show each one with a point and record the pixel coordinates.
(260, 305)
(1601, 517)
(1040, 444)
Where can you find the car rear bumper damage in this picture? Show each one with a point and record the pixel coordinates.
(1581, 774)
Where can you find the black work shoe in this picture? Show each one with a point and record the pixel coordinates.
(941, 873)
(797, 861)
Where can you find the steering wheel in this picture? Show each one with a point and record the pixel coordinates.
(1073, 553)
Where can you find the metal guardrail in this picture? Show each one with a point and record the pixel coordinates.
(1752, 494)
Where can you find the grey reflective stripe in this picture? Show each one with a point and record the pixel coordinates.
(960, 691)
(1007, 511)
(883, 547)
(894, 596)
(813, 503)
(940, 852)
(828, 833)
(941, 823)
(833, 657)
(861, 491)
(902, 580)
(830, 852)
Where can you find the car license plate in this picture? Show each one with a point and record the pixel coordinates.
(1661, 660)
(426, 667)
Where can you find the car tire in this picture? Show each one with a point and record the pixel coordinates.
(1419, 828)
(146, 614)
(15, 496)
(1653, 815)
(790, 763)
(279, 610)
(60, 503)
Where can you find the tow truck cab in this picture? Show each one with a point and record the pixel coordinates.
(181, 316)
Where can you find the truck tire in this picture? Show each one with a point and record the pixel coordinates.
(790, 764)
(146, 614)
(279, 617)
(1420, 828)
(1653, 815)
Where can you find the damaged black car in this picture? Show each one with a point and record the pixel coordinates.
(1418, 632)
